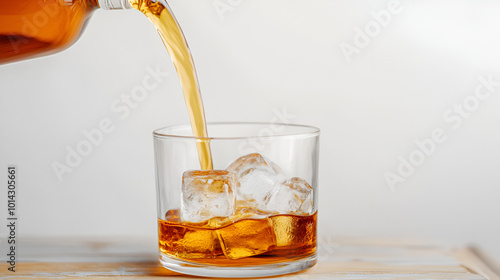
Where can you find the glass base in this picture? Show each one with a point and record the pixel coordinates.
(207, 270)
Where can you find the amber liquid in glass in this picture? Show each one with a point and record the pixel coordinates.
(242, 242)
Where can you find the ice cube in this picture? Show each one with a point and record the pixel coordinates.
(207, 194)
(256, 177)
(246, 210)
(247, 238)
(292, 196)
(184, 242)
(294, 234)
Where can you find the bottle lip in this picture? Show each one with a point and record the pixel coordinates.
(114, 4)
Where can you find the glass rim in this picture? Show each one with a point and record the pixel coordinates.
(313, 131)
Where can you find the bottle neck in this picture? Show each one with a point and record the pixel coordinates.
(114, 4)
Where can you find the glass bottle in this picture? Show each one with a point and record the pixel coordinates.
(31, 28)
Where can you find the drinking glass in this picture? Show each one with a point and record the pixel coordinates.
(253, 215)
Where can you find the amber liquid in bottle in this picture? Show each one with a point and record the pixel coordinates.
(33, 28)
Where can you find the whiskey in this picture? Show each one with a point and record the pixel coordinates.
(175, 42)
(177, 47)
(238, 242)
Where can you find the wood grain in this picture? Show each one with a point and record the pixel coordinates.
(347, 259)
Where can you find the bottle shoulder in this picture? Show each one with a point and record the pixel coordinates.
(41, 27)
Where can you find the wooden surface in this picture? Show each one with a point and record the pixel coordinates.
(338, 259)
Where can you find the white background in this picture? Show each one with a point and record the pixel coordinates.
(260, 57)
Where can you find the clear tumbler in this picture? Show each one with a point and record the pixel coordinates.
(253, 215)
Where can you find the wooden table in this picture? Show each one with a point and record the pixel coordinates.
(338, 259)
